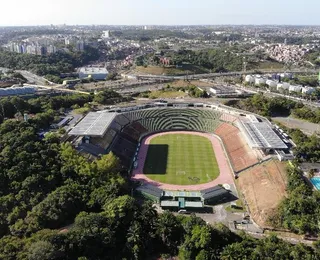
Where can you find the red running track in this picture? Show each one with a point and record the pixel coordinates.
(225, 176)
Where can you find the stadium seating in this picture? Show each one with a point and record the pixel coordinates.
(124, 148)
(106, 140)
(140, 114)
(168, 112)
(127, 128)
(95, 150)
(239, 153)
(121, 120)
(150, 120)
(228, 118)
(135, 130)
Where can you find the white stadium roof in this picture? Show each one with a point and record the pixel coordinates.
(261, 135)
(93, 124)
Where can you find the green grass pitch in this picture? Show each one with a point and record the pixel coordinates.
(181, 159)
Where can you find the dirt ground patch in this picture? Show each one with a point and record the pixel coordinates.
(263, 187)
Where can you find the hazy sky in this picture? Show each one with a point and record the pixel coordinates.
(166, 12)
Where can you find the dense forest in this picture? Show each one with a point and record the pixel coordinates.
(313, 56)
(46, 108)
(52, 65)
(299, 211)
(150, 35)
(214, 60)
(277, 106)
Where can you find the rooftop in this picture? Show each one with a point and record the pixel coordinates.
(261, 135)
(93, 124)
(95, 70)
(150, 189)
(184, 194)
(214, 192)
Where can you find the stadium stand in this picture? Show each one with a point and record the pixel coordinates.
(174, 118)
(121, 130)
(124, 149)
(184, 199)
(91, 149)
(179, 122)
(228, 118)
(121, 120)
(105, 141)
(151, 192)
(240, 155)
(167, 112)
(135, 130)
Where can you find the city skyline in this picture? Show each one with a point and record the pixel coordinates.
(165, 12)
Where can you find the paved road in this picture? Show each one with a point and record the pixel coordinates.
(31, 77)
(43, 83)
(211, 75)
(58, 88)
(273, 94)
(306, 127)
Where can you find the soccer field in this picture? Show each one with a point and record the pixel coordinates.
(181, 159)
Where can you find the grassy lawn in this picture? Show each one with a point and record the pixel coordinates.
(270, 65)
(81, 110)
(239, 207)
(172, 70)
(182, 159)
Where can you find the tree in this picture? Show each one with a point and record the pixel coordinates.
(112, 76)
(197, 244)
(108, 97)
(59, 207)
(42, 250)
(91, 236)
(170, 231)
(135, 240)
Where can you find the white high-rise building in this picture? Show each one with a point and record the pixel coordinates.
(308, 90)
(51, 49)
(249, 79)
(68, 41)
(106, 34)
(271, 83)
(294, 88)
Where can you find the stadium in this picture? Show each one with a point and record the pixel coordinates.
(182, 155)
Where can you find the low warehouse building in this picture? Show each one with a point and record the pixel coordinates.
(96, 73)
